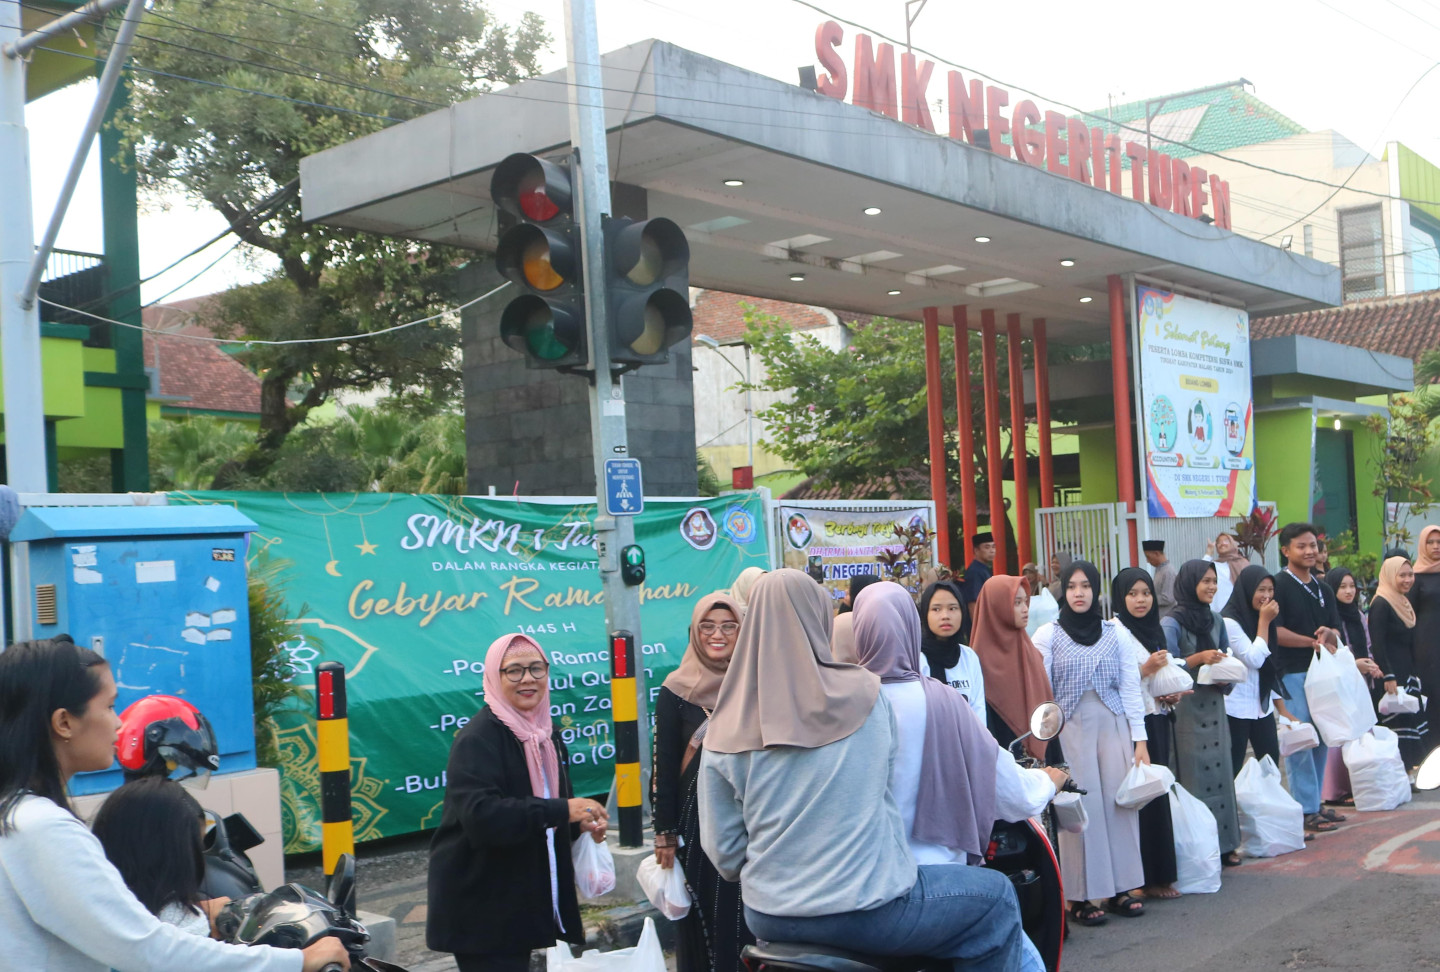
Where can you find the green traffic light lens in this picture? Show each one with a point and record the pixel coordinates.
(540, 336)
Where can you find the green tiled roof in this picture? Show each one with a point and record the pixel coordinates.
(1233, 117)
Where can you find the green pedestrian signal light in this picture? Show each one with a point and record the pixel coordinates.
(632, 564)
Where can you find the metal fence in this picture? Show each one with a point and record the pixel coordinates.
(1090, 532)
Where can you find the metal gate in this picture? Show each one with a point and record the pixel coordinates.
(1092, 532)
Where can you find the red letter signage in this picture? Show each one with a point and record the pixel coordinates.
(828, 37)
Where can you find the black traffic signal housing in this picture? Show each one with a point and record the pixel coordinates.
(632, 564)
(540, 254)
(647, 266)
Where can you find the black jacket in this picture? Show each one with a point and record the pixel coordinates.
(489, 889)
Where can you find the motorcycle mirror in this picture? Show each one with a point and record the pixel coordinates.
(1428, 776)
(217, 838)
(1048, 719)
(341, 889)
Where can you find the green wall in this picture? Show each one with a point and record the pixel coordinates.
(1282, 470)
(1097, 467)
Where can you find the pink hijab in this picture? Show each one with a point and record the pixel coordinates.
(532, 728)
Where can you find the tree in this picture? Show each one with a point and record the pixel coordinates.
(231, 95)
(1402, 442)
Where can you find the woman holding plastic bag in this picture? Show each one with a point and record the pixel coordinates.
(711, 936)
(1196, 634)
(1137, 617)
(1097, 685)
(1011, 666)
(502, 882)
(1392, 645)
(1251, 705)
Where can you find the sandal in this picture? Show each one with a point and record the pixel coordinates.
(1316, 824)
(1127, 905)
(1087, 914)
(1161, 893)
(1332, 815)
(1231, 859)
(1309, 837)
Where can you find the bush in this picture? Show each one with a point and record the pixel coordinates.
(270, 668)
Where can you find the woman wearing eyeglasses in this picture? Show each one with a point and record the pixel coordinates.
(501, 878)
(710, 937)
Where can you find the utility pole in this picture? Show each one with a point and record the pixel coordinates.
(607, 395)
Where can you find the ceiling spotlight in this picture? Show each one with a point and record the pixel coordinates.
(797, 277)
(1086, 300)
(733, 183)
(1337, 423)
(982, 239)
(894, 293)
(872, 210)
(1067, 263)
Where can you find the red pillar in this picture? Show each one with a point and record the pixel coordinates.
(1018, 456)
(990, 370)
(965, 426)
(1042, 413)
(1120, 386)
(935, 413)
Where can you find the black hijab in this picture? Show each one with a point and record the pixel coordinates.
(1146, 629)
(1083, 629)
(1192, 615)
(943, 654)
(1241, 606)
(858, 582)
(1350, 616)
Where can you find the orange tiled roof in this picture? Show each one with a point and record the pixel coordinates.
(1406, 325)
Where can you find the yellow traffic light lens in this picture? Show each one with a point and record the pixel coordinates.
(648, 265)
(535, 264)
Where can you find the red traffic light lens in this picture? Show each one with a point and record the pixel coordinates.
(535, 204)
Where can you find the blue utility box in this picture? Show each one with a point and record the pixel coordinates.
(161, 592)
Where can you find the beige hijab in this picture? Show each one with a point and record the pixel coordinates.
(740, 590)
(1389, 589)
(697, 679)
(1423, 563)
(842, 639)
(783, 687)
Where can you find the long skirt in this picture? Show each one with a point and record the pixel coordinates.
(1157, 835)
(1412, 728)
(1104, 860)
(1202, 759)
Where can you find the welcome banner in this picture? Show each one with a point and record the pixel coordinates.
(408, 592)
(836, 543)
(1198, 413)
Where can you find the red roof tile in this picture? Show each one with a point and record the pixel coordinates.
(1406, 325)
(720, 315)
(198, 371)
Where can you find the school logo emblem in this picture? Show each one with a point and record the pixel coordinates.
(798, 532)
(739, 525)
(698, 528)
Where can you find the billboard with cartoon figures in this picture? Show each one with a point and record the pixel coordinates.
(1198, 414)
(408, 591)
(834, 544)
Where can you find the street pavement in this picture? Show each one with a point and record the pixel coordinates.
(1365, 897)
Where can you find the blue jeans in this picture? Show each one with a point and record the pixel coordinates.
(966, 914)
(1306, 769)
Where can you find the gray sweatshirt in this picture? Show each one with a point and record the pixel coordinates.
(809, 831)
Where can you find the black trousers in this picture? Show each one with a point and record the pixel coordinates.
(1259, 733)
(1157, 838)
(494, 962)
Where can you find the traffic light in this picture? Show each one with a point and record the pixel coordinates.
(632, 564)
(541, 255)
(648, 289)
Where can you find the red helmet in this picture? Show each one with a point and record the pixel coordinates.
(161, 735)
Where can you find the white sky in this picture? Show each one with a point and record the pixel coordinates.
(1342, 64)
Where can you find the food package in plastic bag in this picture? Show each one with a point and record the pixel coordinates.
(1377, 773)
(1271, 822)
(1197, 843)
(1227, 671)
(1171, 680)
(1401, 703)
(665, 887)
(1296, 737)
(645, 956)
(594, 867)
(1070, 815)
(1339, 701)
(1043, 609)
(1143, 783)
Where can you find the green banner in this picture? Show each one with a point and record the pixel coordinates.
(408, 592)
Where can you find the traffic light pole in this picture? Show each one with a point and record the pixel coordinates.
(607, 397)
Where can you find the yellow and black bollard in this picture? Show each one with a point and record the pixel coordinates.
(337, 830)
(624, 713)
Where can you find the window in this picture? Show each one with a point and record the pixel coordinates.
(1362, 253)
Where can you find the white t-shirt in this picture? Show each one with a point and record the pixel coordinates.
(968, 679)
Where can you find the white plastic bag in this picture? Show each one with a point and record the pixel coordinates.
(665, 887)
(645, 956)
(1043, 609)
(1401, 703)
(1227, 671)
(1070, 814)
(1197, 844)
(1142, 784)
(1271, 822)
(1296, 737)
(1339, 702)
(1377, 773)
(594, 867)
(1170, 680)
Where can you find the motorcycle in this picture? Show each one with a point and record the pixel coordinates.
(294, 916)
(1022, 851)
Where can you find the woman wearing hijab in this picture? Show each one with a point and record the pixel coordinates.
(501, 878)
(1355, 632)
(1425, 596)
(1195, 633)
(710, 937)
(740, 590)
(1011, 666)
(1137, 620)
(796, 804)
(942, 614)
(1392, 641)
(1251, 705)
(1097, 686)
(1224, 553)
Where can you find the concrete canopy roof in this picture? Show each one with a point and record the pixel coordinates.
(681, 124)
